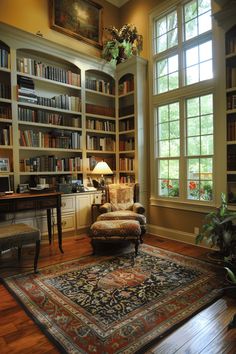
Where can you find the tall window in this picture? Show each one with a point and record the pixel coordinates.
(183, 101)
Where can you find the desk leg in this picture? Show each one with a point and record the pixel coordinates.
(59, 229)
(49, 220)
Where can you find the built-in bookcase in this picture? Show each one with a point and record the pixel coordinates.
(230, 58)
(6, 130)
(61, 112)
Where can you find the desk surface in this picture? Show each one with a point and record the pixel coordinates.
(29, 195)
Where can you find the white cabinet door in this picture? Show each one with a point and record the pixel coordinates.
(83, 210)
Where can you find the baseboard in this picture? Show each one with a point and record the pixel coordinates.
(172, 234)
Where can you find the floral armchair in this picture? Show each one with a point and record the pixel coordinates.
(122, 204)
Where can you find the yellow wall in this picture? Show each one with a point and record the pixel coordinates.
(33, 16)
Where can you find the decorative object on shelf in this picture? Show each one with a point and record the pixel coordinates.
(123, 44)
(102, 169)
(80, 19)
(4, 164)
(220, 231)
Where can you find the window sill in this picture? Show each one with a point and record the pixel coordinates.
(195, 206)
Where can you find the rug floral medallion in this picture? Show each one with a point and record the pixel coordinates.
(108, 305)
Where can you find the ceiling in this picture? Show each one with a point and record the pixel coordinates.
(118, 3)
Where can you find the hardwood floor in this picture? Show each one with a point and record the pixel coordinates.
(204, 333)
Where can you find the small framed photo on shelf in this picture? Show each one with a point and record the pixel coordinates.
(81, 19)
(4, 165)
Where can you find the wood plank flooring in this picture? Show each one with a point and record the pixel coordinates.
(205, 333)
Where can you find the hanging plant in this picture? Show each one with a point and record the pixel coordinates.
(122, 44)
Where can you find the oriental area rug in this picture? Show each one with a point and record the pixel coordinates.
(105, 304)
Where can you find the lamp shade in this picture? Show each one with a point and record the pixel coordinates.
(102, 168)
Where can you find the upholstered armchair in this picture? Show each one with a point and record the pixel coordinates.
(123, 204)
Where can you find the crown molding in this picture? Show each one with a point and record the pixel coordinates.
(117, 3)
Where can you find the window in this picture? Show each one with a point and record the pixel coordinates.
(183, 101)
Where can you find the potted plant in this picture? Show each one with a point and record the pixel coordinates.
(220, 231)
(122, 44)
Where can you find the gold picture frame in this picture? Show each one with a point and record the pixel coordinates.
(80, 19)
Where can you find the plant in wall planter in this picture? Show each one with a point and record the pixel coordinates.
(122, 44)
(220, 231)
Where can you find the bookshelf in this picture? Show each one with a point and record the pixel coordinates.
(61, 112)
(132, 157)
(230, 62)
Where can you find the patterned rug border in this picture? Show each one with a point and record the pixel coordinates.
(87, 261)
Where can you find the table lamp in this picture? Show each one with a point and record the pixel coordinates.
(102, 169)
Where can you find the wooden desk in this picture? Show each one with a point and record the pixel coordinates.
(35, 201)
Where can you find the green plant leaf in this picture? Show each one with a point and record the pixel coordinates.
(231, 275)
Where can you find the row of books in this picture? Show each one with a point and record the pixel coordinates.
(127, 124)
(6, 137)
(100, 86)
(100, 143)
(126, 86)
(231, 45)
(95, 124)
(4, 58)
(230, 76)
(51, 164)
(231, 130)
(126, 164)
(5, 111)
(127, 179)
(44, 117)
(37, 68)
(71, 103)
(125, 111)
(127, 144)
(62, 140)
(231, 101)
(91, 162)
(5, 90)
(101, 110)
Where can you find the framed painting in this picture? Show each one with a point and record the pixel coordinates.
(81, 19)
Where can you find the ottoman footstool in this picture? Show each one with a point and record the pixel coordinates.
(116, 230)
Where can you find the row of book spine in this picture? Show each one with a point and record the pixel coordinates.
(44, 117)
(5, 112)
(231, 129)
(5, 90)
(100, 125)
(127, 179)
(126, 86)
(4, 58)
(6, 137)
(231, 101)
(51, 164)
(101, 110)
(71, 103)
(126, 110)
(100, 86)
(127, 144)
(37, 68)
(231, 45)
(31, 138)
(127, 124)
(230, 76)
(100, 143)
(126, 164)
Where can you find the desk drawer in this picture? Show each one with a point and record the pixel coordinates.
(46, 203)
(5, 207)
(25, 204)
